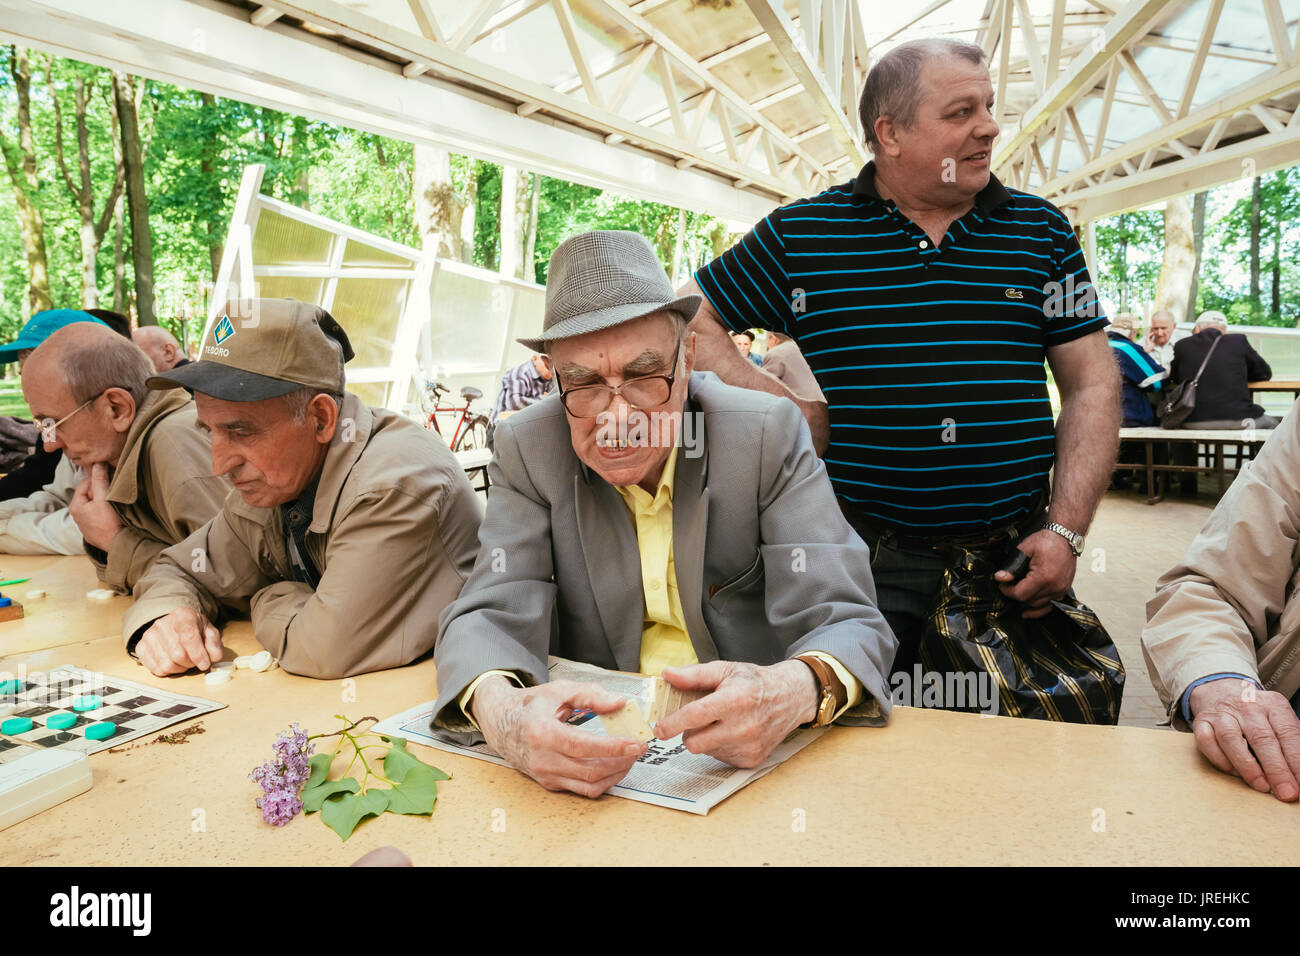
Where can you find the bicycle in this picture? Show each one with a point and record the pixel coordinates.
(471, 428)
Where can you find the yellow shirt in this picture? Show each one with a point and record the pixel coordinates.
(664, 640)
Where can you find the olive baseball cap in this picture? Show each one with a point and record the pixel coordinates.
(264, 348)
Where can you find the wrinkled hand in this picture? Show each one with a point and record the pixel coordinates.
(1051, 571)
(525, 725)
(1228, 725)
(749, 710)
(91, 510)
(178, 641)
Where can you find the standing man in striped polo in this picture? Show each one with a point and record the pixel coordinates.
(925, 296)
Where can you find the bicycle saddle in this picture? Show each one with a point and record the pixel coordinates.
(469, 393)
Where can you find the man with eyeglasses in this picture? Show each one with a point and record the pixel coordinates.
(649, 519)
(147, 481)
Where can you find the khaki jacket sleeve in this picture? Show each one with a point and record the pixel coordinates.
(40, 532)
(1223, 600)
(388, 573)
(218, 565)
(189, 504)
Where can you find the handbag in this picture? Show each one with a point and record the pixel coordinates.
(1062, 667)
(1176, 407)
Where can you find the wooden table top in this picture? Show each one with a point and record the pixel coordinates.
(931, 788)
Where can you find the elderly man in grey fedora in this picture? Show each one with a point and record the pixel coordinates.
(721, 563)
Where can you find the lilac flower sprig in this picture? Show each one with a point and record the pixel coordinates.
(281, 778)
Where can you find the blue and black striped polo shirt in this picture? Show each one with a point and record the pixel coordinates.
(931, 358)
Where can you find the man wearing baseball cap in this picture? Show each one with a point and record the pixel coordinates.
(352, 527)
(721, 562)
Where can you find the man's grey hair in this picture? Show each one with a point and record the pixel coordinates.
(300, 398)
(893, 87)
(92, 368)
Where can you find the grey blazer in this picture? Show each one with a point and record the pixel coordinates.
(767, 567)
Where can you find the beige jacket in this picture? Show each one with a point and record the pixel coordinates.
(163, 488)
(394, 533)
(1231, 605)
(787, 363)
(40, 523)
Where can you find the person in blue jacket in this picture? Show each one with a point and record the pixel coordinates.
(1141, 374)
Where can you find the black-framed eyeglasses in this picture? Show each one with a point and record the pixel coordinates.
(645, 391)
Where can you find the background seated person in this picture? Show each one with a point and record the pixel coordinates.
(1222, 639)
(526, 383)
(1223, 399)
(722, 562)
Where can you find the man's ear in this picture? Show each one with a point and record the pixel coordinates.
(887, 135)
(323, 413)
(121, 408)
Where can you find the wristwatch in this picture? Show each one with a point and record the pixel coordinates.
(832, 694)
(1075, 539)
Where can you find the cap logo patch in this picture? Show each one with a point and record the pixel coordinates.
(224, 330)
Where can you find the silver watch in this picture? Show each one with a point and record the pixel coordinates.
(1073, 537)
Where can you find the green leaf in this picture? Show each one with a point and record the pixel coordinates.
(417, 792)
(318, 788)
(342, 812)
(399, 761)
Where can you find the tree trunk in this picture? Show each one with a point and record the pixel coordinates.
(468, 214)
(678, 239)
(438, 209)
(1254, 246)
(516, 226)
(1180, 258)
(529, 271)
(136, 200)
(92, 229)
(1123, 262)
(216, 238)
(1198, 234)
(510, 221)
(119, 256)
(22, 174)
(1277, 269)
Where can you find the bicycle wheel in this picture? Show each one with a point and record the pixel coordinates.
(474, 436)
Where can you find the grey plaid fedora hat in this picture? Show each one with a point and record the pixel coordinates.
(598, 280)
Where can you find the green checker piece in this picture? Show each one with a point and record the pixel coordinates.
(101, 731)
(88, 702)
(16, 725)
(60, 721)
(10, 686)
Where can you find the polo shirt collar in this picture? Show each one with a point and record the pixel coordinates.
(987, 199)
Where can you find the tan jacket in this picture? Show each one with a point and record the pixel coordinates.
(787, 363)
(394, 533)
(163, 488)
(40, 523)
(1231, 605)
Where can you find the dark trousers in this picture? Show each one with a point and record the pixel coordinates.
(908, 576)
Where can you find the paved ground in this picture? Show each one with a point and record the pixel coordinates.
(1129, 546)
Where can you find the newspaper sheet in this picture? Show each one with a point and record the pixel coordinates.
(667, 775)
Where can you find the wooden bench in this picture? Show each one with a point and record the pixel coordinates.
(1246, 444)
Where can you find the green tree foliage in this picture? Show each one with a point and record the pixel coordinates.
(1279, 242)
(1129, 251)
(197, 146)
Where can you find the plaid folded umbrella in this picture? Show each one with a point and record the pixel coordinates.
(1062, 666)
